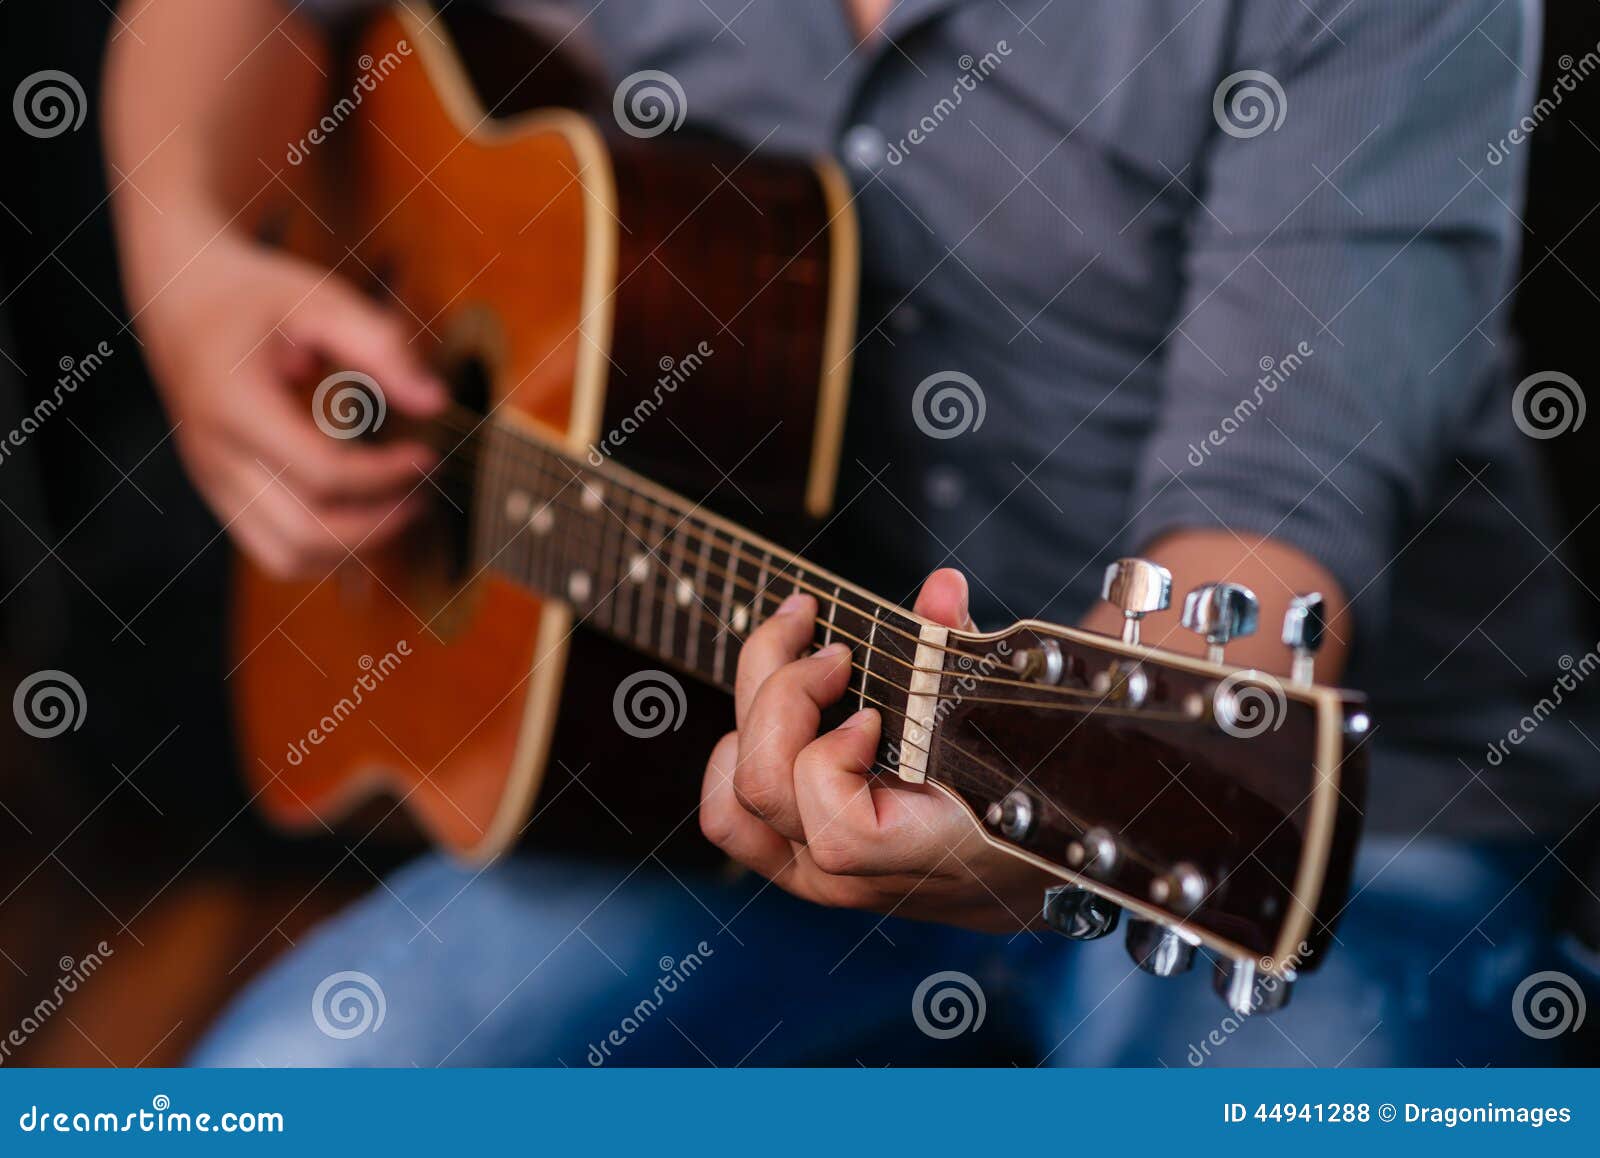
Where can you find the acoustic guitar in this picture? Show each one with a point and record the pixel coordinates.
(627, 317)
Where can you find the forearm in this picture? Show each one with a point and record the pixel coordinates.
(1274, 570)
(198, 107)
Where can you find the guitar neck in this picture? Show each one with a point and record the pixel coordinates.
(657, 572)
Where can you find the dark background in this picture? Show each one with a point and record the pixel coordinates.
(135, 828)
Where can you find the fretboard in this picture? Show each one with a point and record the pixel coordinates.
(656, 571)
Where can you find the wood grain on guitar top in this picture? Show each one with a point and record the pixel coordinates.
(569, 266)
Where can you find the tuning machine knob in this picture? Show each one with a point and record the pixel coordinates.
(1304, 625)
(1137, 587)
(1159, 950)
(1221, 612)
(1079, 914)
(1246, 988)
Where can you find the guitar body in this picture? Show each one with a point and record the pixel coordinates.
(619, 296)
(649, 340)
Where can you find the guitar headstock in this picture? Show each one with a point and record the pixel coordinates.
(1218, 805)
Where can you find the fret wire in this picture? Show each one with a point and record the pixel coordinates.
(608, 566)
(532, 453)
(668, 596)
(732, 577)
(659, 510)
(758, 611)
(759, 595)
(724, 620)
(633, 571)
(697, 619)
(527, 452)
(800, 576)
(899, 712)
(668, 600)
(866, 667)
(620, 592)
(669, 614)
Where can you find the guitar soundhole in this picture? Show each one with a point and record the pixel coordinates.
(438, 567)
(469, 385)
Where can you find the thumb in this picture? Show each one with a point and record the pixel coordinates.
(354, 333)
(944, 598)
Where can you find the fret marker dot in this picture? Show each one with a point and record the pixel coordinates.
(517, 505)
(591, 497)
(685, 592)
(578, 586)
(741, 618)
(541, 521)
(638, 568)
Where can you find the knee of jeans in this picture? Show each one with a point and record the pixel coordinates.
(275, 1043)
(279, 1038)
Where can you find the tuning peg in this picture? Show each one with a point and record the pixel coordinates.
(1220, 612)
(1245, 988)
(1138, 587)
(1079, 914)
(1303, 627)
(1159, 950)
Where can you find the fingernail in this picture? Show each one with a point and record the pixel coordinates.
(832, 651)
(792, 604)
(860, 719)
(966, 600)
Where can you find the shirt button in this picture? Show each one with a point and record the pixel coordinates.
(945, 488)
(865, 148)
(906, 319)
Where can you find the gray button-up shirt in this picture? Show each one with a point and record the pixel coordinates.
(1207, 263)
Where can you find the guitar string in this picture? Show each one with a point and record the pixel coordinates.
(528, 452)
(709, 538)
(738, 582)
(658, 597)
(953, 777)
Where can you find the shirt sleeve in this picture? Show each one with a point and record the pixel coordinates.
(1348, 254)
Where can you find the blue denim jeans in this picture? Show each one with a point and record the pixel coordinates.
(550, 961)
